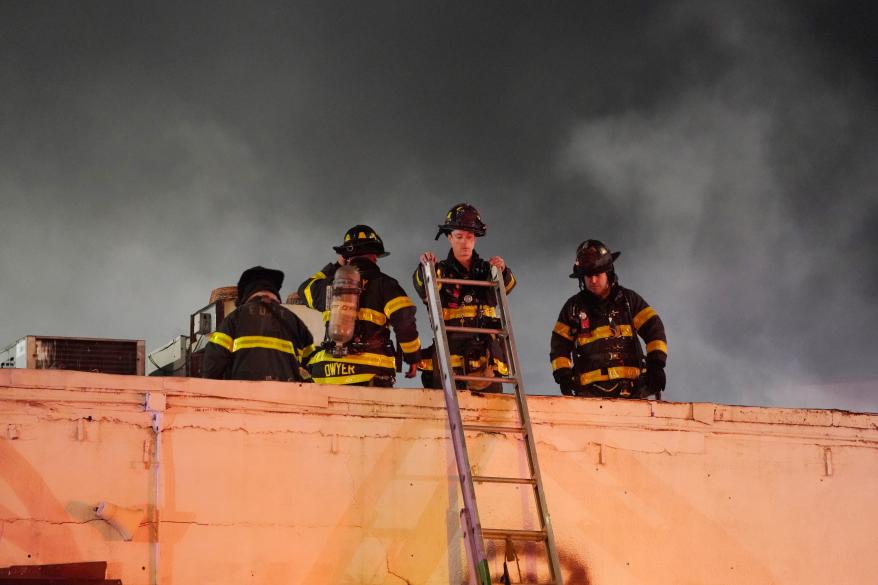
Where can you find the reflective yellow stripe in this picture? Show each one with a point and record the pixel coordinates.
(221, 339)
(396, 304)
(467, 312)
(500, 367)
(427, 363)
(643, 316)
(307, 351)
(410, 346)
(371, 316)
(561, 362)
(308, 296)
(418, 277)
(563, 330)
(603, 333)
(657, 345)
(253, 341)
(621, 372)
(341, 380)
(511, 284)
(366, 359)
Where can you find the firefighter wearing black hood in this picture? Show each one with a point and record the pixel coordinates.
(259, 340)
(598, 327)
(467, 306)
(369, 358)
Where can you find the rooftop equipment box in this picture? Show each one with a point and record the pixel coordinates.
(106, 356)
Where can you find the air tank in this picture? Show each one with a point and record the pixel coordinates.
(344, 303)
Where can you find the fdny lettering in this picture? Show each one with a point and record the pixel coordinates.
(339, 369)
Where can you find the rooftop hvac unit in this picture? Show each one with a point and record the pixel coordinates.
(84, 354)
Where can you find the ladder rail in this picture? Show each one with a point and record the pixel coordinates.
(472, 527)
(530, 442)
(474, 534)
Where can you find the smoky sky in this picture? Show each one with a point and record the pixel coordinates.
(151, 152)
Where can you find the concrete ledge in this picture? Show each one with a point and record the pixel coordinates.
(266, 482)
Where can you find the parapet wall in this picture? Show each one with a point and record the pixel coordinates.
(283, 483)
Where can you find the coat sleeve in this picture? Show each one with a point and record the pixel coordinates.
(509, 280)
(418, 282)
(313, 290)
(649, 326)
(561, 343)
(400, 311)
(218, 353)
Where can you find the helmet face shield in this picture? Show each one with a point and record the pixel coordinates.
(361, 240)
(463, 216)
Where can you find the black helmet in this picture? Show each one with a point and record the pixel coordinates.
(257, 279)
(593, 257)
(463, 216)
(360, 240)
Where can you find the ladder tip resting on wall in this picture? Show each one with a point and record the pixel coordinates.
(473, 532)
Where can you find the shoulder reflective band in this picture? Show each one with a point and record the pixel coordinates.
(467, 312)
(603, 333)
(254, 341)
(501, 367)
(365, 359)
(621, 372)
(643, 316)
(221, 339)
(308, 297)
(563, 330)
(396, 304)
(410, 346)
(561, 362)
(657, 345)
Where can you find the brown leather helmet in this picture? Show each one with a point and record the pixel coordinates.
(593, 257)
(257, 279)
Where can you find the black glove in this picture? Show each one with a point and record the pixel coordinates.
(655, 378)
(567, 382)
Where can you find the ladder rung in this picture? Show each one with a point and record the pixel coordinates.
(493, 429)
(455, 329)
(517, 480)
(464, 282)
(500, 533)
(486, 379)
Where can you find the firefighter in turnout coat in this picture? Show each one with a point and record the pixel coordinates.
(369, 358)
(259, 340)
(594, 345)
(466, 306)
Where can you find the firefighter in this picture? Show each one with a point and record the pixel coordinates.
(467, 306)
(368, 358)
(598, 327)
(259, 340)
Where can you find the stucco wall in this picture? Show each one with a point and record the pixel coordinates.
(280, 483)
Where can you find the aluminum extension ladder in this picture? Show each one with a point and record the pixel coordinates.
(473, 532)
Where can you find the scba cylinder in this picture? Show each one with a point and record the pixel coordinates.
(344, 304)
